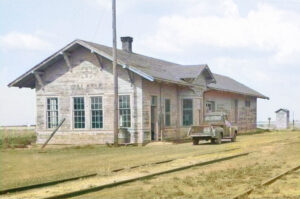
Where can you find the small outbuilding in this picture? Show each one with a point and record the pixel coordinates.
(282, 118)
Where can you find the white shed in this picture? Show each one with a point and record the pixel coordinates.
(282, 118)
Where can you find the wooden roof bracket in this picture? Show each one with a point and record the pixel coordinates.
(131, 77)
(99, 59)
(38, 78)
(67, 59)
(130, 74)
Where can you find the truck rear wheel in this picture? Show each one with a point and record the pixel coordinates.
(195, 141)
(233, 139)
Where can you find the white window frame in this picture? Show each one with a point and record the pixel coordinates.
(73, 113)
(119, 110)
(46, 110)
(212, 104)
(91, 111)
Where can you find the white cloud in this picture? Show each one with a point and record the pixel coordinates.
(23, 41)
(121, 6)
(259, 48)
(266, 29)
(208, 8)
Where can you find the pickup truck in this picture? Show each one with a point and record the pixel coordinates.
(214, 128)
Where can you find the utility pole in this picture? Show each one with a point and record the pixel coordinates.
(115, 74)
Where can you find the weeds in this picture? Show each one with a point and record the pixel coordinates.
(256, 131)
(16, 138)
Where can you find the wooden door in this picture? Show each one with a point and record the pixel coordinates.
(153, 121)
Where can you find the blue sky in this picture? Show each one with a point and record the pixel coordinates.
(256, 42)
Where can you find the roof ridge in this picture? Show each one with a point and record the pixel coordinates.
(133, 53)
(192, 65)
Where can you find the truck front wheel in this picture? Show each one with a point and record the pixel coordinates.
(218, 140)
(195, 141)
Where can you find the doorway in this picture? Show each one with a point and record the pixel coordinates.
(153, 117)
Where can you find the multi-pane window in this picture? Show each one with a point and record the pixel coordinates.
(79, 113)
(167, 112)
(96, 112)
(187, 112)
(210, 106)
(52, 112)
(124, 111)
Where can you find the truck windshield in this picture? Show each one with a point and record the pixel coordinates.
(211, 118)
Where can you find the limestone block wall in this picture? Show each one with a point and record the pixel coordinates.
(225, 102)
(86, 79)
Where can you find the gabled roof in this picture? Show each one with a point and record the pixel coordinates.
(224, 83)
(193, 71)
(149, 68)
(156, 68)
(282, 109)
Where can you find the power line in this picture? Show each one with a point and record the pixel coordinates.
(99, 23)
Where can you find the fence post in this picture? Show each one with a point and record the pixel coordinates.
(293, 120)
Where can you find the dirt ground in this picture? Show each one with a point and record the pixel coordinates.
(272, 153)
(223, 180)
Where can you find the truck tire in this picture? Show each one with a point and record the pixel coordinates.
(212, 141)
(195, 141)
(233, 139)
(218, 140)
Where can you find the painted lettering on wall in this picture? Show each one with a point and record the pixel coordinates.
(85, 86)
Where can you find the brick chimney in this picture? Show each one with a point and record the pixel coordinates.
(127, 44)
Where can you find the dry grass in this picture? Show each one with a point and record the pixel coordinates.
(286, 187)
(222, 180)
(27, 166)
(16, 138)
(21, 167)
